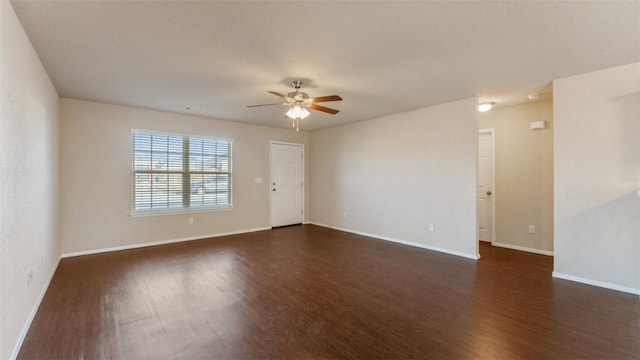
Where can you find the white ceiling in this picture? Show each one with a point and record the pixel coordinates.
(381, 57)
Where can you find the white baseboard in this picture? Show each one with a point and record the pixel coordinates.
(601, 284)
(161, 242)
(32, 315)
(318, 224)
(404, 242)
(523, 248)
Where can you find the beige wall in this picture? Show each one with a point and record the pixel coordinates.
(597, 175)
(28, 180)
(96, 186)
(396, 174)
(523, 175)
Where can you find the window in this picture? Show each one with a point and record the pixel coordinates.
(175, 172)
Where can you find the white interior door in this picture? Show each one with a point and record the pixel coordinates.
(286, 184)
(485, 186)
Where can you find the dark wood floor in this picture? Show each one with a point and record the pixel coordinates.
(308, 292)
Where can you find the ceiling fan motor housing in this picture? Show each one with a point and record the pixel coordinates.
(298, 96)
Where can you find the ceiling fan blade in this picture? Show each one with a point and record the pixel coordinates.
(265, 104)
(323, 109)
(326, 98)
(277, 94)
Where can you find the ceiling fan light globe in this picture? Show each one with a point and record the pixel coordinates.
(304, 113)
(297, 112)
(290, 114)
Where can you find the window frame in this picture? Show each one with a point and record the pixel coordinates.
(186, 186)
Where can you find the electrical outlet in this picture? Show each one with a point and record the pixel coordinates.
(532, 229)
(42, 258)
(29, 277)
(191, 220)
(345, 214)
(432, 227)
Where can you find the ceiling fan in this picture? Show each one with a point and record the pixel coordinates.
(299, 103)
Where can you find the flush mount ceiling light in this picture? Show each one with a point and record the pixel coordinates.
(299, 103)
(485, 106)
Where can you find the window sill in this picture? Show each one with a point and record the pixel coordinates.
(177, 211)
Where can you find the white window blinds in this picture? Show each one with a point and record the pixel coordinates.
(175, 172)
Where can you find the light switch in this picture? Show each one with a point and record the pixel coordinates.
(257, 180)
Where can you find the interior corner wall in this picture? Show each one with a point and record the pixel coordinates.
(28, 181)
(523, 175)
(597, 177)
(392, 176)
(96, 178)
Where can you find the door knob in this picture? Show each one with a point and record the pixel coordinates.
(488, 192)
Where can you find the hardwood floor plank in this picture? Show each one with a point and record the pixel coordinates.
(310, 292)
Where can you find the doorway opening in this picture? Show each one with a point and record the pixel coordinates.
(515, 177)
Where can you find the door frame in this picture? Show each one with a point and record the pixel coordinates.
(275, 142)
(492, 132)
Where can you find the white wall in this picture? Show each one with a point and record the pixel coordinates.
(524, 175)
(28, 179)
(96, 179)
(597, 174)
(396, 174)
